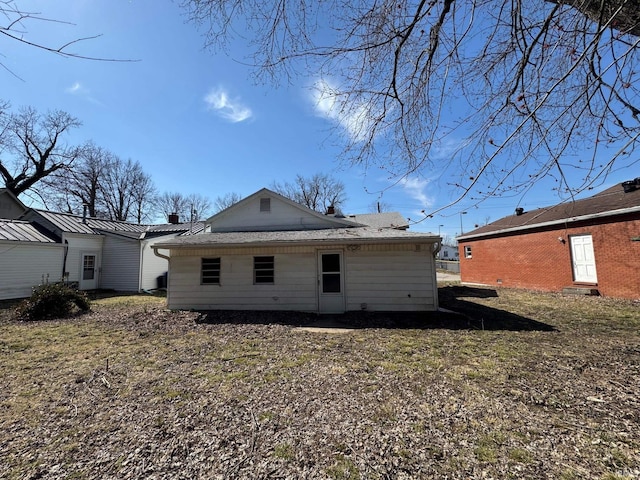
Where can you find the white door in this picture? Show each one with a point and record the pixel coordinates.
(330, 282)
(89, 272)
(584, 261)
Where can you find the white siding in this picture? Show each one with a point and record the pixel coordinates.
(384, 277)
(294, 287)
(282, 216)
(24, 266)
(79, 244)
(391, 281)
(152, 265)
(120, 264)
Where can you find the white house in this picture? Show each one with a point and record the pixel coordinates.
(39, 245)
(28, 257)
(269, 253)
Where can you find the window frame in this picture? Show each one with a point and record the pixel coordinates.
(207, 272)
(467, 251)
(261, 268)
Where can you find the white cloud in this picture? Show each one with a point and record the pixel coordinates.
(76, 88)
(329, 103)
(81, 91)
(416, 189)
(232, 110)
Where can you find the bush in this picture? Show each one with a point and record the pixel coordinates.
(53, 300)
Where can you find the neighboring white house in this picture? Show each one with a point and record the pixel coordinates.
(39, 245)
(449, 252)
(269, 253)
(28, 257)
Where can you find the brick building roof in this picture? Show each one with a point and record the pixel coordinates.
(613, 201)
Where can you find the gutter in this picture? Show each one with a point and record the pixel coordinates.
(609, 213)
(158, 254)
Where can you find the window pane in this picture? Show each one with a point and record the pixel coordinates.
(88, 267)
(331, 262)
(330, 283)
(210, 271)
(263, 269)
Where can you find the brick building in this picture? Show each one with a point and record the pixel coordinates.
(590, 245)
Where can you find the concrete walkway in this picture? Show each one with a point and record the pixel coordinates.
(447, 277)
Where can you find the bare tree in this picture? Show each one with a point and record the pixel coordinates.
(225, 201)
(32, 147)
(71, 189)
(120, 183)
(188, 207)
(144, 196)
(13, 26)
(317, 192)
(492, 95)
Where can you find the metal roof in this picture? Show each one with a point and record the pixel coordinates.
(71, 223)
(610, 202)
(21, 231)
(353, 235)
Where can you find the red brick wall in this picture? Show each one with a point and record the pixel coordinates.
(539, 261)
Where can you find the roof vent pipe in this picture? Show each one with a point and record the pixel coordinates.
(630, 186)
(519, 211)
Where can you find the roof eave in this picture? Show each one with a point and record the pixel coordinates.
(311, 243)
(581, 218)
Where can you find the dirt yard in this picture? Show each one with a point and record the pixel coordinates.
(523, 385)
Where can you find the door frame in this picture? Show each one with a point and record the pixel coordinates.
(331, 302)
(577, 276)
(94, 283)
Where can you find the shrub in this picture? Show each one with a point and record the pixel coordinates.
(53, 300)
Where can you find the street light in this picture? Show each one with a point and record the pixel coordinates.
(439, 226)
(461, 230)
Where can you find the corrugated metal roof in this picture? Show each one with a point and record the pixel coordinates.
(74, 223)
(21, 231)
(336, 235)
(613, 200)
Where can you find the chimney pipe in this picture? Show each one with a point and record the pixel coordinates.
(84, 212)
(173, 218)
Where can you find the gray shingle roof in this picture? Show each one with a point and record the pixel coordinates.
(325, 236)
(380, 220)
(613, 201)
(21, 231)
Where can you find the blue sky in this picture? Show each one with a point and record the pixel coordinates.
(196, 120)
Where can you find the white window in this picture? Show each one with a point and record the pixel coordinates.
(467, 251)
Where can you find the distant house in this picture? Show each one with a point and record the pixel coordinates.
(39, 245)
(448, 252)
(590, 245)
(269, 253)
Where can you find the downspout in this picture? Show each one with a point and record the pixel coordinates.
(158, 254)
(64, 260)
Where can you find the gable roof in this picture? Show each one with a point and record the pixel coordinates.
(22, 231)
(610, 202)
(265, 192)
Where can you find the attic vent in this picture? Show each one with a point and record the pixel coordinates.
(519, 211)
(265, 204)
